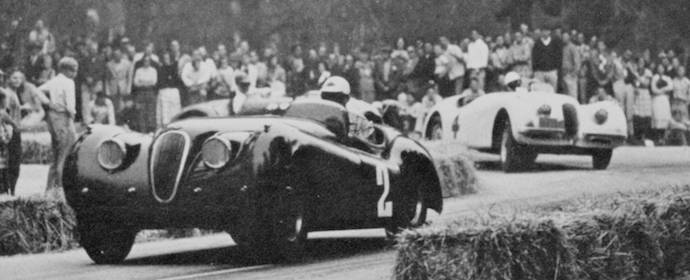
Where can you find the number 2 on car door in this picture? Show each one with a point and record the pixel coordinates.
(384, 208)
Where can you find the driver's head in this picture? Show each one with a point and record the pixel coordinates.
(336, 89)
(513, 81)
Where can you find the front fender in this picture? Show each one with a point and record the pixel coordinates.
(87, 184)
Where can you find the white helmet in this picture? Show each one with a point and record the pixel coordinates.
(511, 77)
(336, 84)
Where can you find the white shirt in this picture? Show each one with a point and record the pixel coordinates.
(61, 92)
(477, 54)
(456, 57)
(194, 77)
(145, 77)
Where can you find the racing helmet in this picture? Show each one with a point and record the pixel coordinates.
(336, 89)
(512, 80)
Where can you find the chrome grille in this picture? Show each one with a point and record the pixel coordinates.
(168, 157)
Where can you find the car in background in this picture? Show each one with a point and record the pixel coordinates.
(268, 176)
(520, 125)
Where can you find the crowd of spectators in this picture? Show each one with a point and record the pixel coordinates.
(143, 85)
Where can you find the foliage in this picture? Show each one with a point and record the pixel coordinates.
(627, 236)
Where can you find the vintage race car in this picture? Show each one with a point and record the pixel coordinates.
(521, 125)
(268, 176)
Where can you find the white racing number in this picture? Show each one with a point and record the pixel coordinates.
(384, 208)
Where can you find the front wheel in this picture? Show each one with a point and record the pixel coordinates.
(289, 226)
(601, 159)
(409, 211)
(104, 243)
(510, 151)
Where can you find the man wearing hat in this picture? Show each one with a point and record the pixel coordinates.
(60, 100)
(337, 89)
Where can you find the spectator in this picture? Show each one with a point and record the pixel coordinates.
(277, 77)
(128, 116)
(7, 130)
(145, 81)
(168, 104)
(323, 73)
(31, 110)
(385, 87)
(642, 104)
(61, 102)
(400, 51)
(570, 66)
(499, 61)
(350, 73)
(41, 36)
(226, 79)
(34, 64)
(47, 72)
(243, 91)
(521, 55)
(681, 94)
(423, 71)
(478, 58)
(365, 72)
(90, 77)
(196, 78)
(547, 56)
(662, 86)
(603, 69)
(455, 63)
(446, 87)
(118, 81)
(149, 50)
(250, 68)
(6, 56)
(261, 69)
(101, 110)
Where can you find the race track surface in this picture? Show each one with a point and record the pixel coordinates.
(365, 254)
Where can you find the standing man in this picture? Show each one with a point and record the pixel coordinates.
(61, 104)
(547, 55)
(571, 66)
(478, 58)
(456, 64)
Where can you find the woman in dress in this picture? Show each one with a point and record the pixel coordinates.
(145, 81)
(661, 88)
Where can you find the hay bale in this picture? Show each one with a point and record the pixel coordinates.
(35, 225)
(456, 171)
(642, 236)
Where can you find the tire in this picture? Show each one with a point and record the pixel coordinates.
(289, 227)
(511, 152)
(601, 159)
(276, 233)
(435, 129)
(105, 243)
(409, 211)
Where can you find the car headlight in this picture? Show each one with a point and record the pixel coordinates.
(601, 116)
(544, 110)
(216, 152)
(111, 154)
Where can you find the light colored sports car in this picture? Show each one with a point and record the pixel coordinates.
(521, 125)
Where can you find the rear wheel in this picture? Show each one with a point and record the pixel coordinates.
(601, 159)
(106, 243)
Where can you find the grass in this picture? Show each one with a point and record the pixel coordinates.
(641, 235)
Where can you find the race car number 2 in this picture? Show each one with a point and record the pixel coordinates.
(384, 208)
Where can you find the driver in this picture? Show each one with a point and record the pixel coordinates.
(337, 89)
(513, 82)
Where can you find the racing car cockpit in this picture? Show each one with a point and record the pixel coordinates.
(348, 127)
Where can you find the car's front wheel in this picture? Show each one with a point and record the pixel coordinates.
(409, 211)
(601, 159)
(288, 222)
(510, 151)
(106, 243)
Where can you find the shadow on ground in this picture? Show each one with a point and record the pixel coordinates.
(319, 249)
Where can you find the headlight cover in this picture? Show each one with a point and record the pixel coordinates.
(111, 154)
(216, 152)
(601, 116)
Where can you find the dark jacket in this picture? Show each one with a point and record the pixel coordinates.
(547, 58)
